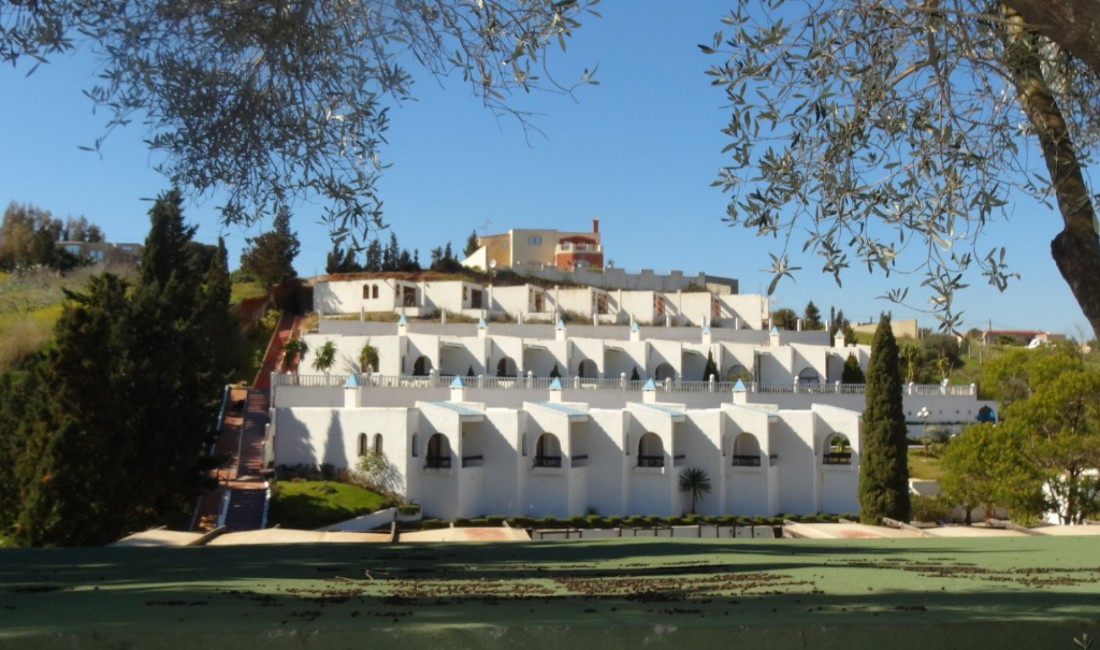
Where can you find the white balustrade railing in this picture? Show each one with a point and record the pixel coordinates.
(578, 383)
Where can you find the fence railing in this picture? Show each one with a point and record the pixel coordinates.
(578, 383)
(746, 460)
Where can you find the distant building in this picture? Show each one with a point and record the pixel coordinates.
(105, 253)
(1020, 337)
(903, 328)
(539, 248)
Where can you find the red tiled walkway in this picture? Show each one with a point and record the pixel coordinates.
(286, 329)
(241, 440)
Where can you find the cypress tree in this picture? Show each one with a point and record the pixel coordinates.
(852, 373)
(711, 369)
(884, 468)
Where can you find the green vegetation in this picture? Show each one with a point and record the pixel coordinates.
(925, 466)
(891, 101)
(694, 482)
(269, 257)
(246, 290)
(1039, 456)
(104, 433)
(883, 471)
(304, 504)
(902, 593)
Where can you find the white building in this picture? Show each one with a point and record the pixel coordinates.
(548, 419)
(383, 293)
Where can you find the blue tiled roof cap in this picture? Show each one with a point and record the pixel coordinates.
(739, 387)
(457, 382)
(352, 382)
(649, 385)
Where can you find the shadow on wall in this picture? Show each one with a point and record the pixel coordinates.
(335, 451)
(293, 444)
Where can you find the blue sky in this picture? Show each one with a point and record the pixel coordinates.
(638, 151)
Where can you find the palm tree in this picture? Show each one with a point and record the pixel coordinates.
(293, 351)
(694, 481)
(368, 358)
(326, 356)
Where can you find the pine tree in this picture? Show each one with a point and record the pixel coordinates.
(471, 244)
(270, 257)
(811, 318)
(374, 256)
(884, 468)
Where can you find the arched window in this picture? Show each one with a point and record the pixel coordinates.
(737, 371)
(808, 376)
(362, 446)
(366, 292)
(838, 450)
(422, 366)
(439, 451)
(374, 291)
(377, 446)
(547, 451)
(587, 369)
(746, 451)
(664, 371)
(506, 367)
(651, 451)
(415, 445)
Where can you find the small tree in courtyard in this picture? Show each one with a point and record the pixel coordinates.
(696, 482)
(852, 373)
(326, 356)
(711, 369)
(368, 358)
(293, 352)
(884, 468)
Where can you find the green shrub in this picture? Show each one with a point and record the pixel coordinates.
(520, 521)
(578, 521)
(432, 524)
(929, 508)
(461, 522)
(494, 520)
(409, 508)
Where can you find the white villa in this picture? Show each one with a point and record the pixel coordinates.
(539, 419)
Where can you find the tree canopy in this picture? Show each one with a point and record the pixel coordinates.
(272, 101)
(105, 433)
(864, 130)
(270, 256)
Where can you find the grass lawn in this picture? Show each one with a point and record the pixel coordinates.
(1028, 592)
(245, 290)
(925, 467)
(313, 504)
